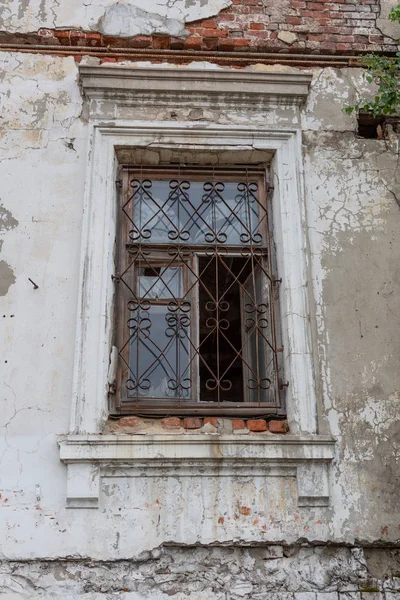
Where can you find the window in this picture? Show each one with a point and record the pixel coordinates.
(197, 290)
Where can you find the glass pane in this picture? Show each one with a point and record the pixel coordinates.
(159, 353)
(195, 212)
(157, 283)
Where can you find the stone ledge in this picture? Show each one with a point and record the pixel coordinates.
(134, 84)
(90, 457)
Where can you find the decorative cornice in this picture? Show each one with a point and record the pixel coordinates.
(251, 88)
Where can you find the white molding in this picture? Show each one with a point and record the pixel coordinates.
(90, 458)
(93, 342)
(131, 85)
(302, 454)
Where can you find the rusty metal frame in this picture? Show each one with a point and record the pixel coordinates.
(187, 255)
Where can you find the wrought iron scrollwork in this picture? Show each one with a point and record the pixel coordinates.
(198, 293)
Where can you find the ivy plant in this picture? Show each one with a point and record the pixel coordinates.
(384, 71)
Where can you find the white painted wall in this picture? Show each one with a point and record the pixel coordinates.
(353, 223)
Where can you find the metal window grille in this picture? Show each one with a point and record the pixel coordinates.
(197, 294)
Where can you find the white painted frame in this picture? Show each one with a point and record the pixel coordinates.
(113, 93)
(94, 329)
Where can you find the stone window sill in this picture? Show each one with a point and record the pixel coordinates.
(90, 457)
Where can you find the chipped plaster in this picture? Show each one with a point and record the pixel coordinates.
(130, 17)
(353, 223)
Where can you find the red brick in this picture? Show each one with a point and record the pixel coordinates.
(192, 422)
(293, 20)
(93, 36)
(226, 45)
(213, 33)
(108, 60)
(62, 34)
(171, 423)
(241, 42)
(128, 421)
(278, 426)
(194, 42)
(238, 424)
(315, 6)
(257, 425)
(257, 26)
(177, 44)
(376, 39)
(257, 34)
(210, 43)
(213, 420)
(161, 42)
(209, 24)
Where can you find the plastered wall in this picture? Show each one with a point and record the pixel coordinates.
(353, 220)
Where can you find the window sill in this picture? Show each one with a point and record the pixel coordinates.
(91, 457)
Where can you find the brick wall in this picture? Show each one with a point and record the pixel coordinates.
(294, 26)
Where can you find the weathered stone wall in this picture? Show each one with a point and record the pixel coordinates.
(353, 218)
(267, 573)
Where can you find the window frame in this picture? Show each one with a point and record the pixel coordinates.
(95, 357)
(120, 125)
(119, 403)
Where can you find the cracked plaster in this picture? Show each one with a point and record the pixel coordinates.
(389, 28)
(127, 18)
(353, 223)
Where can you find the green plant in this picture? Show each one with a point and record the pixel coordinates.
(384, 71)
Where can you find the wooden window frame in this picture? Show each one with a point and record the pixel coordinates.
(164, 406)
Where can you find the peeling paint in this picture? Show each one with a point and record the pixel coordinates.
(353, 219)
(128, 21)
(7, 277)
(7, 221)
(153, 16)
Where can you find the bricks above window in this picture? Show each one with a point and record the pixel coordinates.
(247, 25)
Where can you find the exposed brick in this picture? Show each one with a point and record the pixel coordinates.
(278, 426)
(210, 43)
(238, 424)
(226, 45)
(177, 44)
(126, 421)
(161, 42)
(213, 33)
(194, 42)
(213, 420)
(257, 425)
(171, 423)
(192, 422)
(376, 39)
(140, 41)
(257, 26)
(209, 24)
(315, 6)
